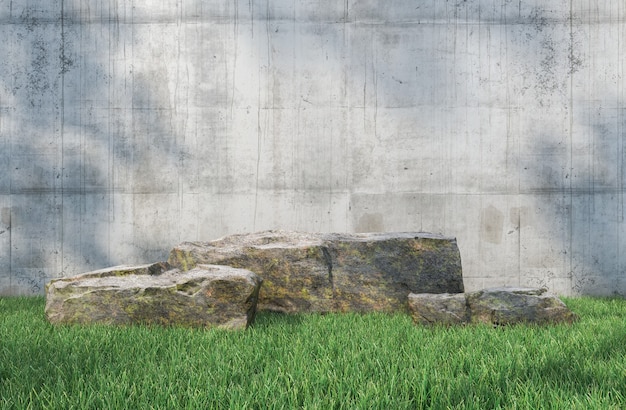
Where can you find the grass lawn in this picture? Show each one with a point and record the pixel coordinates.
(372, 361)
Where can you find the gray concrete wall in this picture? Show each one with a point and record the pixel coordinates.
(129, 126)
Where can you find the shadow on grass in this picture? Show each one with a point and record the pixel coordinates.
(19, 305)
(588, 307)
(265, 319)
(591, 363)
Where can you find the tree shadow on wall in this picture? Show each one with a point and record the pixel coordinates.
(84, 137)
(571, 156)
(577, 183)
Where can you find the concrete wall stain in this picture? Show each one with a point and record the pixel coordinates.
(491, 225)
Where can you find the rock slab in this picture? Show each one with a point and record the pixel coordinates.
(205, 296)
(317, 272)
(496, 306)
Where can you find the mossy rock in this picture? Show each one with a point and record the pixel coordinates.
(205, 296)
(318, 272)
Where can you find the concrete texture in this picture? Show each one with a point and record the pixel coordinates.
(127, 127)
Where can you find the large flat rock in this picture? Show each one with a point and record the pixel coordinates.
(317, 272)
(205, 296)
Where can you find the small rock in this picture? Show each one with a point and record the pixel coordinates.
(510, 305)
(496, 306)
(444, 308)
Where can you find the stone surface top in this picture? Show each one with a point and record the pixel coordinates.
(165, 279)
(277, 238)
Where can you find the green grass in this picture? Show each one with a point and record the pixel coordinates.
(372, 361)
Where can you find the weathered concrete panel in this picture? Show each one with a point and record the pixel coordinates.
(127, 127)
(6, 287)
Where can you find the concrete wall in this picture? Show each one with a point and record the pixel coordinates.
(128, 126)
